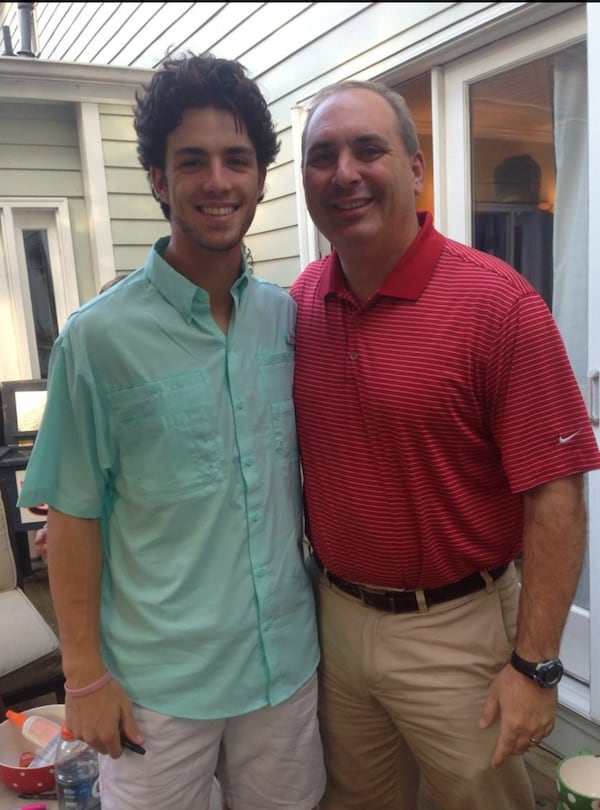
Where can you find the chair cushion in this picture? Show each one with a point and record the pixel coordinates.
(8, 570)
(25, 636)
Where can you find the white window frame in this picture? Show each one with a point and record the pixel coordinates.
(313, 245)
(19, 356)
(579, 703)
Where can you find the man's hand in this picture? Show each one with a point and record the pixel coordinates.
(102, 717)
(41, 542)
(527, 712)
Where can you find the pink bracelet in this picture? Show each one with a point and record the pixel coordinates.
(91, 687)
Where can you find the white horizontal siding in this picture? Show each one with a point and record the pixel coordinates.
(273, 214)
(280, 179)
(67, 25)
(136, 220)
(61, 158)
(119, 153)
(292, 49)
(130, 257)
(274, 244)
(101, 28)
(37, 132)
(134, 180)
(282, 271)
(31, 164)
(8, 17)
(286, 151)
(39, 157)
(136, 232)
(140, 206)
(253, 31)
(110, 52)
(40, 183)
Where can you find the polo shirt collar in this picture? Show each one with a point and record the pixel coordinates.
(185, 296)
(409, 277)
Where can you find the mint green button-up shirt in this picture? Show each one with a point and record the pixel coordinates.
(183, 441)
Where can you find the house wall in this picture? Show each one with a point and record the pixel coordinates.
(136, 219)
(292, 49)
(39, 157)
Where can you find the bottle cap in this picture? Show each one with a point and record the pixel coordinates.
(66, 733)
(17, 717)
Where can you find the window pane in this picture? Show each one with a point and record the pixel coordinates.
(41, 289)
(417, 94)
(513, 172)
(530, 188)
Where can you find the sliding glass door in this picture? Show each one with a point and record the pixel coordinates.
(517, 185)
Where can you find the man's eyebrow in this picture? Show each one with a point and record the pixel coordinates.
(369, 137)
(192, 151)
(358, 140)
(322, 144)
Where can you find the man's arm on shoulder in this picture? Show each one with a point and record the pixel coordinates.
(554, 531)
(75, 561)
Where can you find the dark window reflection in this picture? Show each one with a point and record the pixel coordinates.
(42, 294)
(514, 172)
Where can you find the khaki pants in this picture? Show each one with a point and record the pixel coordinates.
(401, 696)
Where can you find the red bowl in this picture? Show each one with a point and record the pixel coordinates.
(13, 744)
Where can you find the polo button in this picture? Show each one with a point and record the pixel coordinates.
(353, 355)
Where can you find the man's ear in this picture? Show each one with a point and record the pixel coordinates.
(418, 170)
(262, 176)
(159, 185)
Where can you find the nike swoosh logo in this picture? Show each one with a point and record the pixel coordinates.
(567, 439)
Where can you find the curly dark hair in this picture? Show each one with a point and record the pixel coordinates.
(191, 81)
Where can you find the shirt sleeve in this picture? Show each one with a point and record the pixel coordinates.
(539, 418)
(68, 467)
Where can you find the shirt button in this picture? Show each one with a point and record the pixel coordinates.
(260, 572)
(240, 404)
(255, 517)
(248, 461)
(353, 355)
(267, 625)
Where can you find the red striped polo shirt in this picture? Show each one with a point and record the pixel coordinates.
(424, 414)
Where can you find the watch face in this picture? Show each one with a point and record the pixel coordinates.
(549, 673)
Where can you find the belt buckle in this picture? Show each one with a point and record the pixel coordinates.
(383, 600)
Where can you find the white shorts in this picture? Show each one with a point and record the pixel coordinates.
(269, 759)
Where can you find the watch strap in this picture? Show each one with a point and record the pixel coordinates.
(544, 673)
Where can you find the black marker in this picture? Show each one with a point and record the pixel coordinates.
(138, 749)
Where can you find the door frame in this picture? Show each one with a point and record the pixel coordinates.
(454, 218)
(19, 358)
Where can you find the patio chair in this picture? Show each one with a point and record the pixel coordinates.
(30, 657)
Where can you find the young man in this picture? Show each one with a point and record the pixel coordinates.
(168, 458)
(442, 435)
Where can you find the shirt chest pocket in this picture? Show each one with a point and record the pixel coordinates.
(276, 381)
(167, 437)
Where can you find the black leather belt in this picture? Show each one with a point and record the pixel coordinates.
(406, 601)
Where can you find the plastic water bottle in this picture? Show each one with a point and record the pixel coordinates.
(77, 775)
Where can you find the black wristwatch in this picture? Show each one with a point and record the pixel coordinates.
(546, 674)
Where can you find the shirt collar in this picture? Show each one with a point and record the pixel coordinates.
(185, 296)
(408, 278)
